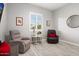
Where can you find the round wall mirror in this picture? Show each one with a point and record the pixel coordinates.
(73, 21)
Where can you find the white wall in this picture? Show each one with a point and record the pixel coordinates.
(65, 32)
(23, 10)
(3, 24)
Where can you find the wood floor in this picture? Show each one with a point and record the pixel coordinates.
(45, 49)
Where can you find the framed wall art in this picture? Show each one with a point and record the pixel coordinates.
(19, 21)
(48, 23)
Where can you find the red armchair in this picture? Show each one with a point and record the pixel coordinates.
(4, 49)
(52, 37)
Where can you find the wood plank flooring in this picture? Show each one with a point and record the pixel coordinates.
(45, 49)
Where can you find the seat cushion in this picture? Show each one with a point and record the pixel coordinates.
(23, 45)
(52, 35)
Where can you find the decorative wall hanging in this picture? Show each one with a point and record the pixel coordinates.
(1, 10)
(48, 23)
(19, 21)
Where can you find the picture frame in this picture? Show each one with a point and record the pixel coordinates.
(19, 21)
(47, 23)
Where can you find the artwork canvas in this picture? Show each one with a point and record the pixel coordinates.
(1, 10)
(48, 23)
(19, 21)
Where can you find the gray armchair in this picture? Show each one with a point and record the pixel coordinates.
(23, 43)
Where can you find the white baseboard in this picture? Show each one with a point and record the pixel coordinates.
(70, 42)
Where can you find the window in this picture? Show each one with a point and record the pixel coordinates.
(36, 22)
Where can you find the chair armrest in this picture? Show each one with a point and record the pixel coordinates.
(57, 36)
(25, 38)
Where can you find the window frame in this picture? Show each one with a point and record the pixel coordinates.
(33, 13)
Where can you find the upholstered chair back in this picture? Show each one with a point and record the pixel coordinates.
(15, 35)
(51, 31)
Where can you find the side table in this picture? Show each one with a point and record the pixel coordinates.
(39, 39)
(36, 39)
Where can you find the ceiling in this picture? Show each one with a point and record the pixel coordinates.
(50, 6)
